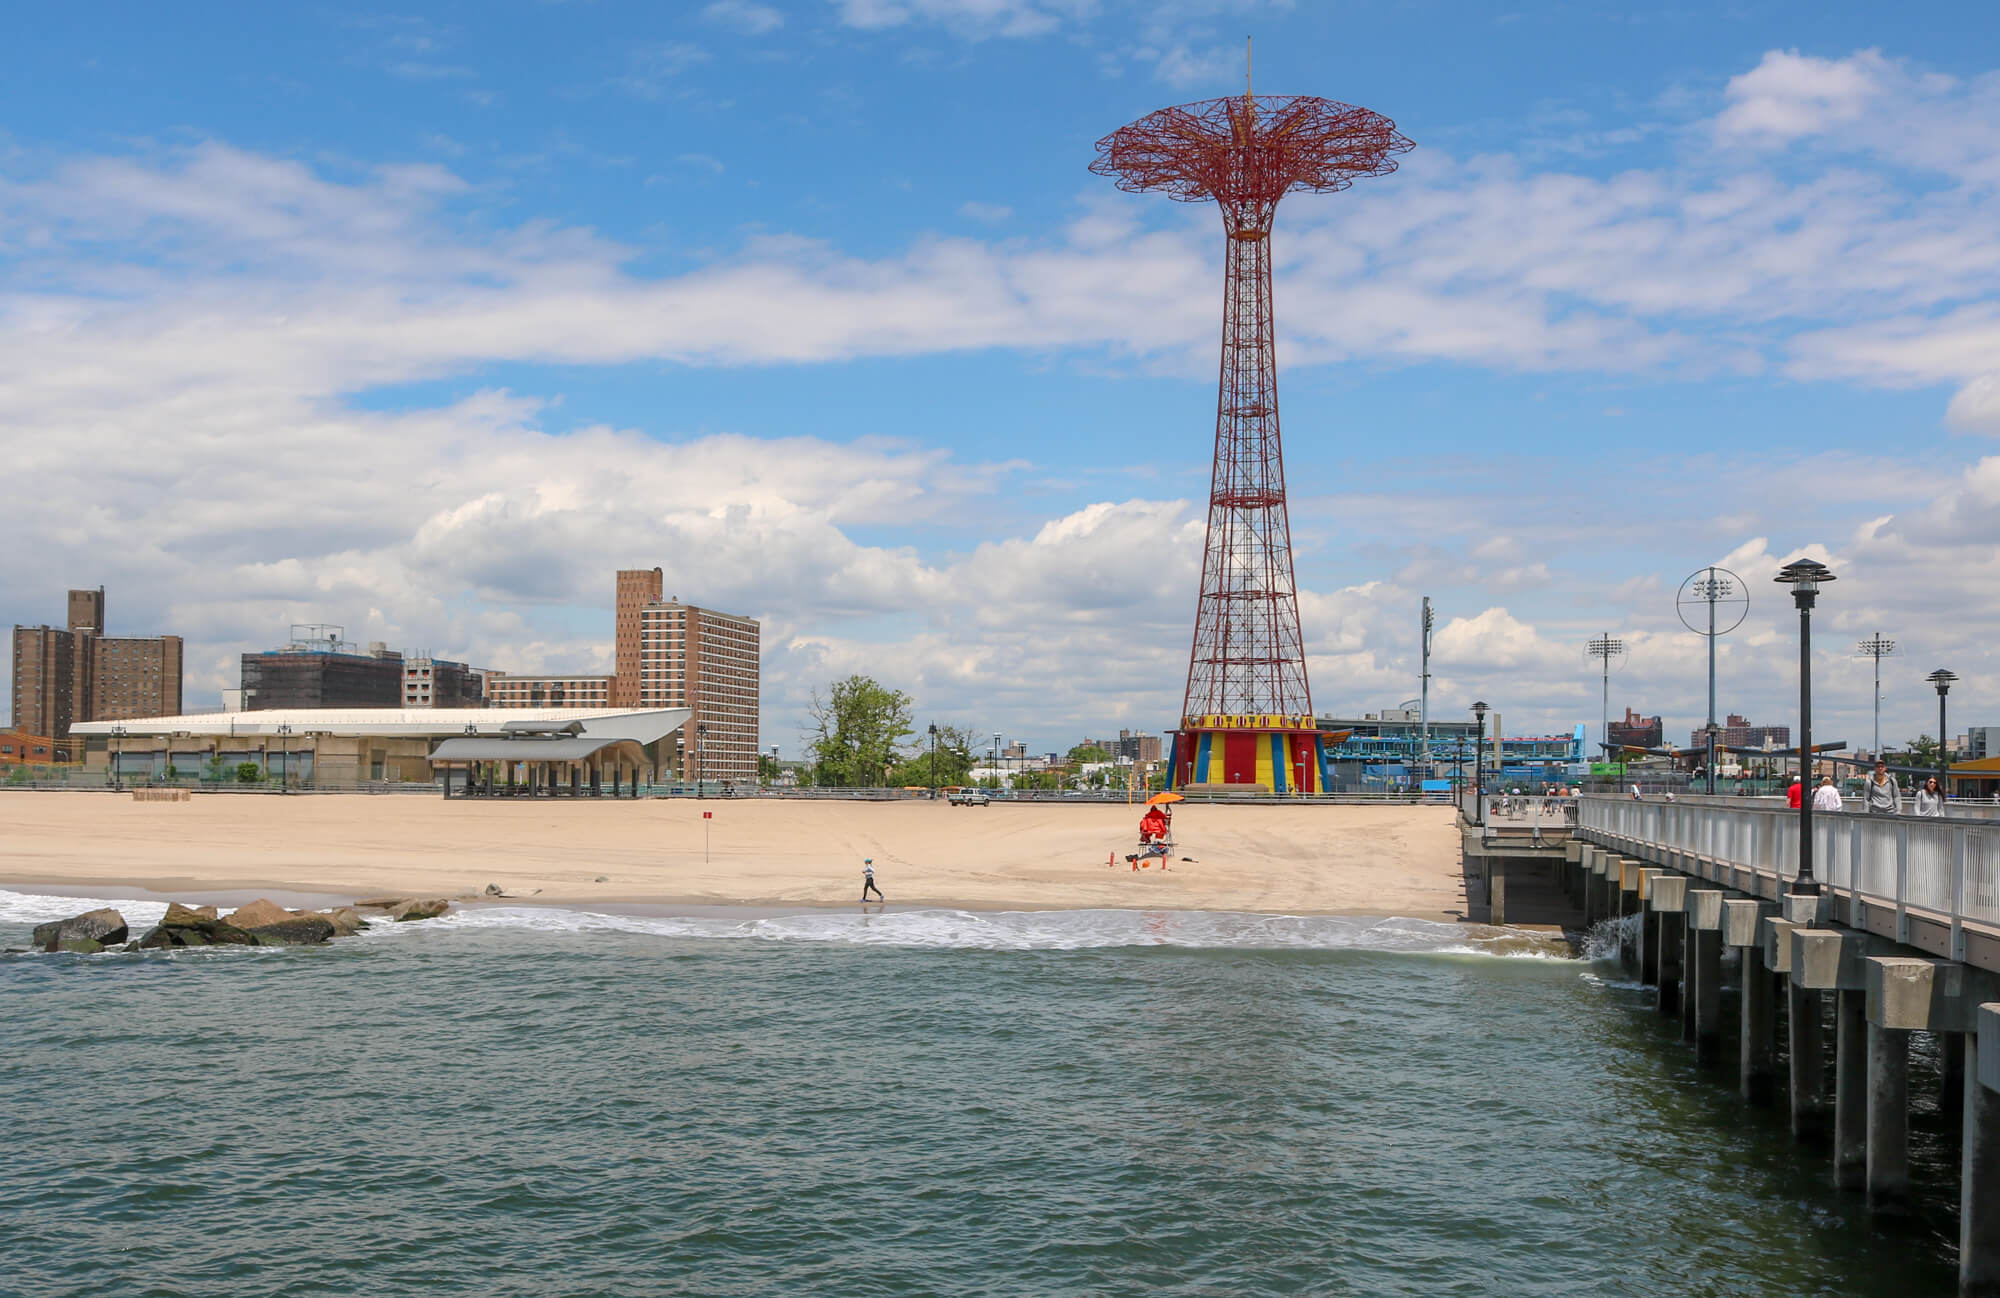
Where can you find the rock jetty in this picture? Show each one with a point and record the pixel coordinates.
(259, 923)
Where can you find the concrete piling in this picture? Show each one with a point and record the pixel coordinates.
(1757, 1050)
(1669, 898)
(1979, 1184)
(1888, 1155)
(1703, 1020)
(1850, 1091)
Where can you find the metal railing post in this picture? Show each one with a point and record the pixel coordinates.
(1958, 896)
(1902, 883)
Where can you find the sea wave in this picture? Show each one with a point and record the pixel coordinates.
(1031, 930)
(1039, 930)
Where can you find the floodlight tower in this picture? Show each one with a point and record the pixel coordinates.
(1607, 648)
(1878, 647)
(1247, 667)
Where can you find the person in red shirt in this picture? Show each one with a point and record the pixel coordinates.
(1795, 794)
(1152, 825)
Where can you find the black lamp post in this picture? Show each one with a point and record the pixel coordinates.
(1805, 577)
(1942, 679)
(117, 750)
(933, 761)
(1479, 764)
(700, 758)
(285, 760)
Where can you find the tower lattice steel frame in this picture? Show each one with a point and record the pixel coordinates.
(1246, 152)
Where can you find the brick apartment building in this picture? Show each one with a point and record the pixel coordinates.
(709, 663)
(507, 690)
(19, 748)
(1737, 732)
(668, 654)
(79, 673)
(1636, 731)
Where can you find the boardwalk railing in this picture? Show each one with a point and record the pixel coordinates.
(1949, 868)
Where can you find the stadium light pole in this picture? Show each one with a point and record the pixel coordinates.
(1942, 679)
(1805, 577)
(1878, 647)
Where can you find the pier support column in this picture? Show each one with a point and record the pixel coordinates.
(1888, 1117)
(1757, 1062)
(1951, 1076)
(1496, 890)
(1979, 1188)
(1757, 1023)
(1805, 1042)
(1649, 927)
(1670, 899)
(1850, 1090)
(1703, 1020)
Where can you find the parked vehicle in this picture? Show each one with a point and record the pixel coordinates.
(969, 798)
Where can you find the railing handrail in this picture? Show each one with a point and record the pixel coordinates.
(1945, 866)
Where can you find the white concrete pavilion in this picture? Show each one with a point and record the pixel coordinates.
(361, 747)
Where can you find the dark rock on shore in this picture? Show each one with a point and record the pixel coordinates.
(104, 927)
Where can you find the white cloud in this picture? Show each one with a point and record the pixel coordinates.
(1976, 408)
(985, 213)
(1789, 94)
(972, 19)
(744, 16)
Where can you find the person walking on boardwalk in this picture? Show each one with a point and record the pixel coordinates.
(868, 880)
(1884, 797)
(1826, 797)
(1796, 794)
(1930, 799)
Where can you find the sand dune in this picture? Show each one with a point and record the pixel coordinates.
(1284, 859)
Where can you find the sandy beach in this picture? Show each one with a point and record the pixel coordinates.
(1289, 860)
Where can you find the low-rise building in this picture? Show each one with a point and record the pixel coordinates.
(348, 747)
(440, 683)
(318, 669)
(19, 748)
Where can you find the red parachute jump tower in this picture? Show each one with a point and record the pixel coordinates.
(1247, 718)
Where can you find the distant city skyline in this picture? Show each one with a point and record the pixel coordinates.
(422, 324)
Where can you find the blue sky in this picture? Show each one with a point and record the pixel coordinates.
(422, 321)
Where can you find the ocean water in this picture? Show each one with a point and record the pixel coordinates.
(539, 1102)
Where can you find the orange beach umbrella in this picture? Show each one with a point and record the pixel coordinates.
(1160, 799)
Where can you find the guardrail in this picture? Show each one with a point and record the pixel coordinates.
(1949, 867)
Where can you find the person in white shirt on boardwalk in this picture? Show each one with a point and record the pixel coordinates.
(1884, 798)
(1930, 799)
(1826, 797)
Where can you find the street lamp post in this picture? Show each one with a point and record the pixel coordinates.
(117, 750)
(994, 764)
(1805, 577)
(700, 758)
(1942, 679)
(933, 761)
(1479, 764)
(285, 759)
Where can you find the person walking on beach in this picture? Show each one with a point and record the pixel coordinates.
(868, 880)
(1826, 797)
(1884, 798)
(1930, 799)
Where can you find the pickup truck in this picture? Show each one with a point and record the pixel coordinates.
(969, 798)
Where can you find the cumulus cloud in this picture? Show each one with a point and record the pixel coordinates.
(744, 16)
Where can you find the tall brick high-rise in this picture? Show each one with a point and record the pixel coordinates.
(637, 588)
(707, 662)
(63, 675)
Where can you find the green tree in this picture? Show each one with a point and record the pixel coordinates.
(1087, 753)
(956, 757)
(858, 732)
(248, 773)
